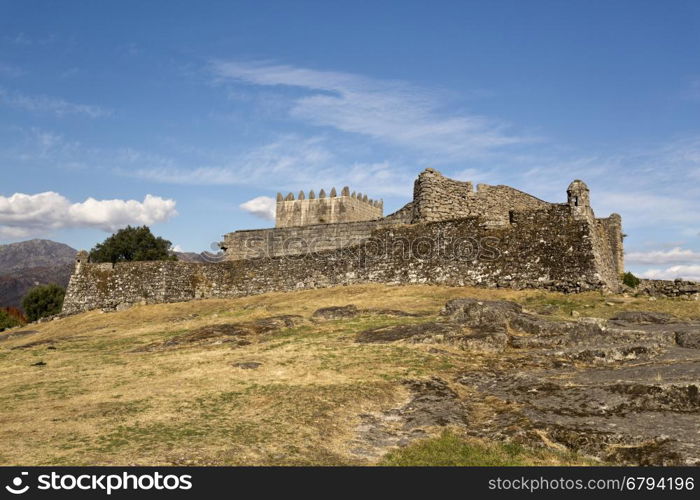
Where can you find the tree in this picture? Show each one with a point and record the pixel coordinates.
(132, 243)
(43, 301)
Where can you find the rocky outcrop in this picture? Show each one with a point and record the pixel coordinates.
(623, 391)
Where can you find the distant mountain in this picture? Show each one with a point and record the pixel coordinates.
(30, 263)
(34, 253)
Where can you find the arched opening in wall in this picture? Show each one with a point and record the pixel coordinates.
(576, 201)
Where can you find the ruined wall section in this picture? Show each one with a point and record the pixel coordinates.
(606, 263)
(669, 288)
(612, 229)
(540, 249)
(404, 215)
(436, 197)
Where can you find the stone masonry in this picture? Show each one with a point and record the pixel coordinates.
(449, 234)
(330, 209)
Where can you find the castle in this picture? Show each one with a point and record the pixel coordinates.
(450, 233)
(326, 223)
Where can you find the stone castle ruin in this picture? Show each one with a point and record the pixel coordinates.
(314, 224)
(450, 234)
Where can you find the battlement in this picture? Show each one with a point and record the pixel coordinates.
(326, 209)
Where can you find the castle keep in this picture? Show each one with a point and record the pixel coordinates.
(325, 210)
(451, 233)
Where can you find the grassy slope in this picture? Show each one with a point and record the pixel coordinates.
(97, 402)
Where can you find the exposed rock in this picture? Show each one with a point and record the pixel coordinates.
(645, 317)
(415, 332)
(237, 334)
(621, 390)
(486, 315)
(336, 312)
(690, 340)
(391, 312)
(432, 404)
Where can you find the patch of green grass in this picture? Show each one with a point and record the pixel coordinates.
(451, 450)
(562, 305)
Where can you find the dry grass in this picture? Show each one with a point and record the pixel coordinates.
(96, 401)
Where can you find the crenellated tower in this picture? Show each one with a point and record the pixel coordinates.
(326, 208)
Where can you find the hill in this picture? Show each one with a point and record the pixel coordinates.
(365, 374)
(34, 254)
(30, 263)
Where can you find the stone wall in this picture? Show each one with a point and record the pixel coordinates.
(669, 288)
(276, 242)
(522, 254)
(281, 241)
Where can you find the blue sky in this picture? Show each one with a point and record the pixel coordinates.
(174, 114)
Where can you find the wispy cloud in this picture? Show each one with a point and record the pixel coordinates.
(48, 104)
(391, 111)
(292, 162)
(27, 214)
(675, 255)
(687, 272)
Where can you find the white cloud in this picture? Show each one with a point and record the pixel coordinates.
(26, 214)
(262, 206)
(687, 272)
(394, 112)
(48, 104)
(675, 255)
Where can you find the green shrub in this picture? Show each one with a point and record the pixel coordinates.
(132, 243)
(630, 280)
(43, 301)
